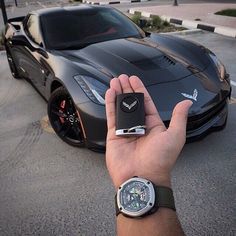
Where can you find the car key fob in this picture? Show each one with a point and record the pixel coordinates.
(130, 114)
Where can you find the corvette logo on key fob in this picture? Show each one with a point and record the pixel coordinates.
(129, 104)
(130, 115)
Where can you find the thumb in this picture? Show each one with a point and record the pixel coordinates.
(179, 119)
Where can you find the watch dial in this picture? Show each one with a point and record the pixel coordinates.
(134, 196)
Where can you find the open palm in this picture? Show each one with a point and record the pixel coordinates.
(151, 156)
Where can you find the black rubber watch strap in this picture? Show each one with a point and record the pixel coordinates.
(164, 197)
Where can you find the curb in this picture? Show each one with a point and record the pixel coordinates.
(114, 2)
(227, 31)
(184, 32)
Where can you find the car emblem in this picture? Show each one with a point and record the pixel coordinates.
(193, 97)
(129, 104)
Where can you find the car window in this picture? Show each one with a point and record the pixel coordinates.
(84, 27)
(32, 29)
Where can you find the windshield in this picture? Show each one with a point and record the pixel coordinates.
(79, 28)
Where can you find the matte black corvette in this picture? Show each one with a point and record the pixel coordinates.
(70, 54)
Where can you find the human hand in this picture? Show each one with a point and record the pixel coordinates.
(151, 156)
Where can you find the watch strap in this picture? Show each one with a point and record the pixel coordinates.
(164, 197)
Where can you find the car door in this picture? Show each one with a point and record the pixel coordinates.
(30, 59)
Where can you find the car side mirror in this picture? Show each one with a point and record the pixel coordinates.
(20, 40)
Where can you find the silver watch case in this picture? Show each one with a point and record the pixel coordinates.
(150, 203)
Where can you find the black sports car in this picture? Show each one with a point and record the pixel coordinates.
(70, 54)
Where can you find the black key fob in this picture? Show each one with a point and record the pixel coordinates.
(130, 114)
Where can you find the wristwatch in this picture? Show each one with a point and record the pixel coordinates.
(139, 197)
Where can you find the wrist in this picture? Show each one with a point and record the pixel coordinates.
(162, 222)
(158, 180)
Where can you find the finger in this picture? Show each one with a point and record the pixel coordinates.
(150, 108)
(138, 87)
(110, 98)
(115, 84)
(125, 84)
(179, 119)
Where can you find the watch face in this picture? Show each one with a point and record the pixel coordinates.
(136, 197)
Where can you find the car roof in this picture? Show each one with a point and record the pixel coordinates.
(81, 7)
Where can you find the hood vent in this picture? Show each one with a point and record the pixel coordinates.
(167, 61)
(160, 62)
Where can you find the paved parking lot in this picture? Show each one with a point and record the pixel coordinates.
(50, 188)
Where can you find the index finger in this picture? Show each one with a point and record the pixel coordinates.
(110, 99)
(150, 108)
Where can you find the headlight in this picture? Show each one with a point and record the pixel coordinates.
(93, 88)
(220, 67)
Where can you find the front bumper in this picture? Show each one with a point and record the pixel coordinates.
(200, 125)
(213, 120)
(94, 122)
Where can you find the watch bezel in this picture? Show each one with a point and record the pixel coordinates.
(150, 203)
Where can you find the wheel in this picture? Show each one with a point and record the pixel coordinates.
(12, 65)
(64, 118)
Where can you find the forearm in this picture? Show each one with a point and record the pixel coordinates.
(163, 222)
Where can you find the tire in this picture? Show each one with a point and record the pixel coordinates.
(12, 65)
(64, 118)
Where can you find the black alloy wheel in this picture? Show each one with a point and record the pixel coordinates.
(64, 118)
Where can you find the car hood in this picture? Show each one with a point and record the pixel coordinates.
(131, 56)
(156, 68)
